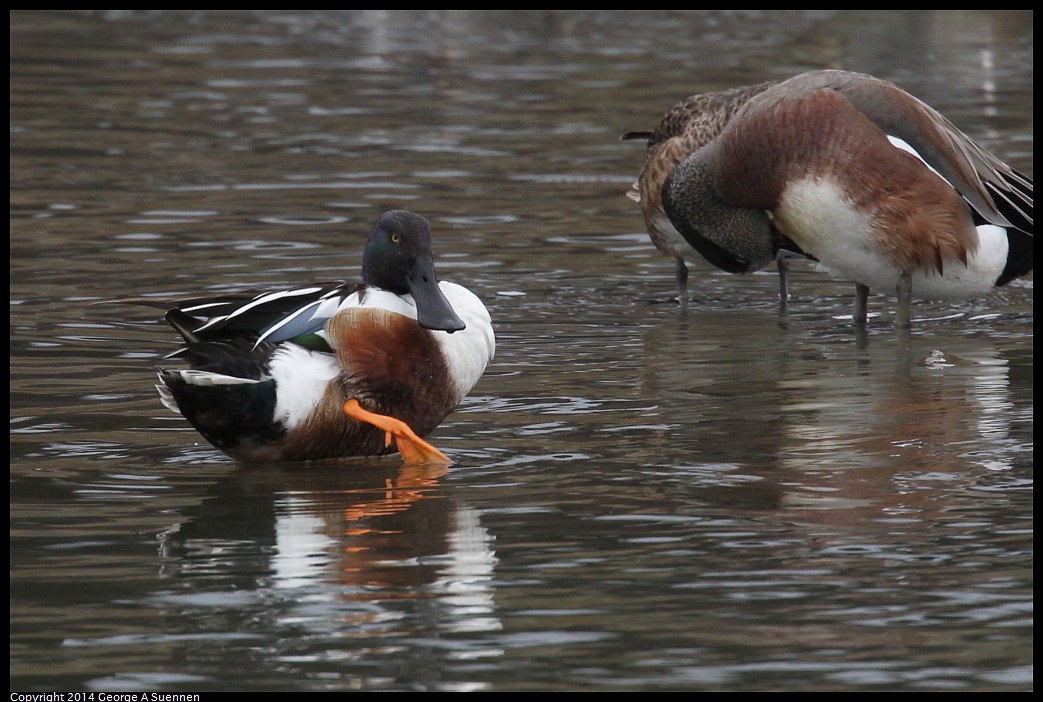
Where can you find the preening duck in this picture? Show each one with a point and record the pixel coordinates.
(869, 180)
(685, 129)
(334, 369)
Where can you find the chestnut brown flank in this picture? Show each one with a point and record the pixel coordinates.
(919, 221)
(393, 367)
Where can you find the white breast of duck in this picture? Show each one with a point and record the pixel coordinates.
(302, 375)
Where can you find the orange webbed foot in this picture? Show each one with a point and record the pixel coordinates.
(413, 449)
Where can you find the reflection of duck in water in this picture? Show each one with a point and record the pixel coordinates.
(333, 369)
(389, 539)
(825, 426)
(857, 173)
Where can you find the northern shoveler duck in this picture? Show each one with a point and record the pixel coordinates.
(333, 369)
(869, 180)
(687, 127)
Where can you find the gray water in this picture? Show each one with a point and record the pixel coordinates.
(642, 498)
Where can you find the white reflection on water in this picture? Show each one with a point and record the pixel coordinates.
(303, 550)
(307, 555)
(466, 576)
(944, 414)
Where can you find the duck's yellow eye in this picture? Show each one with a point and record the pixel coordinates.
(395, 238)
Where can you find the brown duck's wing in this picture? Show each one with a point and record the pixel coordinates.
(998, 193)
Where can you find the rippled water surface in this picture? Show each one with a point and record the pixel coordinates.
(722, 499)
